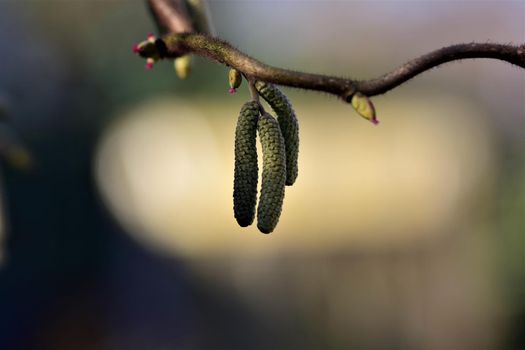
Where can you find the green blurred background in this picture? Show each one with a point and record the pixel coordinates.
(408, 235)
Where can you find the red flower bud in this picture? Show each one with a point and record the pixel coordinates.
(149, 63)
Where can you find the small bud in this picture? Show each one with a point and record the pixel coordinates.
(183, 66)
(148, 49)
(364, 106)
(149, 63)
(151, 38)
(232, 91)
(235, 79)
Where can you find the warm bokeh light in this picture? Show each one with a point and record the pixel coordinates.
(166, 169)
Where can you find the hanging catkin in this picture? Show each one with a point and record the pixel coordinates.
(246, 169)
(273, 174)
(288, 124)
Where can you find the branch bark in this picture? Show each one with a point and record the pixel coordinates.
(170, 16)
(177, 44)
(181, 40)
(512, 54)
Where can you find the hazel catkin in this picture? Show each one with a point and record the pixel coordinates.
(273, 174)
(246, 168)
(288, 124)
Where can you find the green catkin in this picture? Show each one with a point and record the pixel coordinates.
(288, 123)
(273, 174)
(246, 169)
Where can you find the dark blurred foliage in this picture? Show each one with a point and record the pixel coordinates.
(68, 280)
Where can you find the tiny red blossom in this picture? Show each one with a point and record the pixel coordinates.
(149, 63)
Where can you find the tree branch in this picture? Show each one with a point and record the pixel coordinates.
(512, 54)
(177, 44)
(170, 16)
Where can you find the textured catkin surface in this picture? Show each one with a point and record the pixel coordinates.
(288, 123)
(273, 174)
(246, 169)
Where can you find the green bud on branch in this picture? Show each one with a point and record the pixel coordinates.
(364, 107)
(235, 80)
(183, 66)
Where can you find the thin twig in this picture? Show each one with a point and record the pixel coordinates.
(170, 16)
(253, 90)
(173, 18)
(177, 44)
(512, 54)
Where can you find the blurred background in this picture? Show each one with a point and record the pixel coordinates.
(408, 235)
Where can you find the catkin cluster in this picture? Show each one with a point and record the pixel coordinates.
(280, 144)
